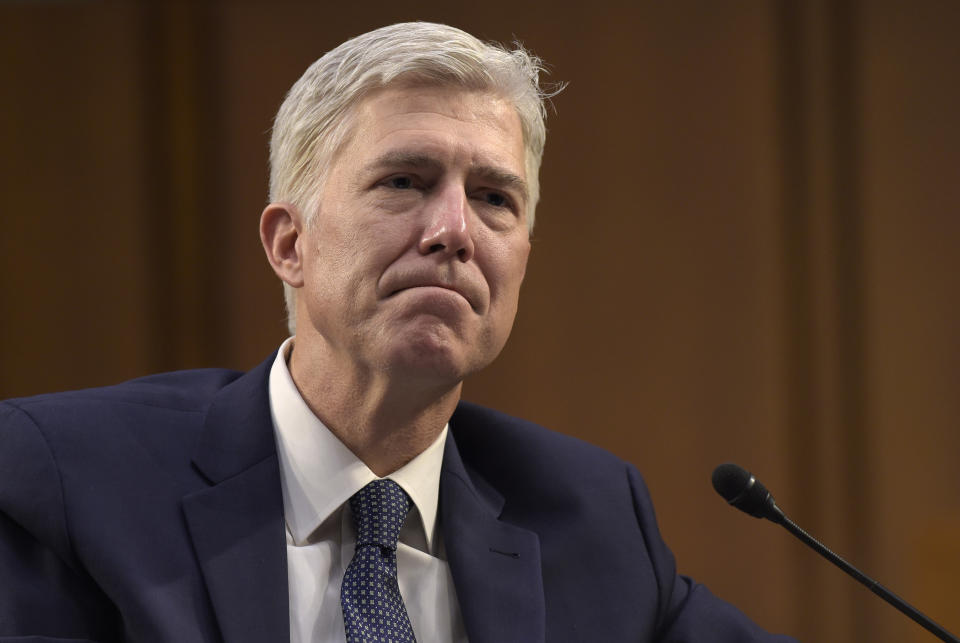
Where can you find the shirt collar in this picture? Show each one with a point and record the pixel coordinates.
(319, 473)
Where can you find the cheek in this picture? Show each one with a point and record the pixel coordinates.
(515, 262)
(339, 249)
(510, 269)
(349, 273)
(522, 257)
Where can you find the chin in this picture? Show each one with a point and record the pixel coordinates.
(415, 363)
(440, 362)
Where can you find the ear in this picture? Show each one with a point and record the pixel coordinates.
(281, 225)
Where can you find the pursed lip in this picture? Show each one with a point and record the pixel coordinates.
(462, 287)
(441, 286)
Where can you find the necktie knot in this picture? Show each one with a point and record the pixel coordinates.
(379, 510)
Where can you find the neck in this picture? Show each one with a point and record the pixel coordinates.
(385, 420)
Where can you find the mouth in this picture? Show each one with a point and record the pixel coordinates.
(441, 290)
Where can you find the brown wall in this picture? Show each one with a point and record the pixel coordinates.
(746, 250)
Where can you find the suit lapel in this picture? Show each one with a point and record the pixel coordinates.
(238, 534)
(495, 565)
(237, 523)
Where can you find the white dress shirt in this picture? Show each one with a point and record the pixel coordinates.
(319, 474)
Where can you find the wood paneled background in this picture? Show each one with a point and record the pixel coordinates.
(748, 249)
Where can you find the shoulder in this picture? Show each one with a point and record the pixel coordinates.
(86, 441)
(509, 449)
(130, 403)
(479, 427)
(184, 390)
(158, 412)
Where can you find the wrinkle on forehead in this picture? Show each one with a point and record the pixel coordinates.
(439, 125)
(499, 110)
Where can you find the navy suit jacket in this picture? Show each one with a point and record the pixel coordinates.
(152, 511)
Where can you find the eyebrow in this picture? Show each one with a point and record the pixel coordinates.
(419, 160)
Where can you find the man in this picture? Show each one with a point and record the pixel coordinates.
(340, 490)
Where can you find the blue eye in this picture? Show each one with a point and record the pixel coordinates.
(497, 200)
(401, 182)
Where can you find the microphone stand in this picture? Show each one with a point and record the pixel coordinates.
(742, 490)
(875, 587)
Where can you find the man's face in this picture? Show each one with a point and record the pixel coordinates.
(413, 262)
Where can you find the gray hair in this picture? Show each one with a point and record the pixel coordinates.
(314, 122)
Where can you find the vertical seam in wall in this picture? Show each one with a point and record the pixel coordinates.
(211, 265)
(180, 93)
(801, 412)
(851, 294)
(156, 244)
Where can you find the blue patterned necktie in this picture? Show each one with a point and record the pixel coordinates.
(373, 610)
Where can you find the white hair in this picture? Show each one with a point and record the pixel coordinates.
(314, 121)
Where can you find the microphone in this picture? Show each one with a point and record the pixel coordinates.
(740, 489)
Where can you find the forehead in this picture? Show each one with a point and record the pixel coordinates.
(448, 121)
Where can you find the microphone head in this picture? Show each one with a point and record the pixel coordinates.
(740, 489)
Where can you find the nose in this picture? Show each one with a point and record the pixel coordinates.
(447, 228)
